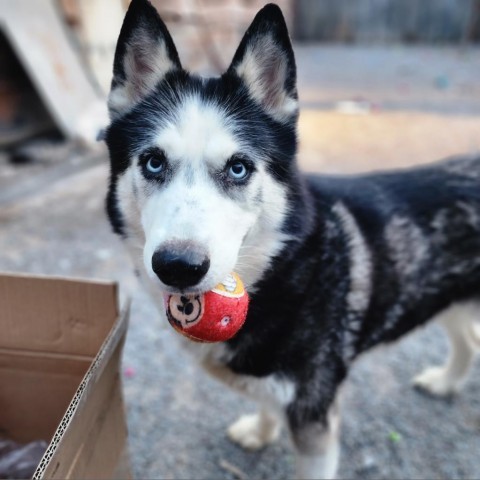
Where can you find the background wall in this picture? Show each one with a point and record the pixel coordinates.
(388, 21)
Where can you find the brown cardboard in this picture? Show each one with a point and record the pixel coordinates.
(53, 315)
(60, 348)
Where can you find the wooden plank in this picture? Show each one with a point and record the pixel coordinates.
(37, 34)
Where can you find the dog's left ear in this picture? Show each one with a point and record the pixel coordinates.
(265, 62)
(145, 53)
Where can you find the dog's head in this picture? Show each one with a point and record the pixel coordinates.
(201, 167)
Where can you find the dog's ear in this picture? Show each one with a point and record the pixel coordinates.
(145, 53)
(265, 62)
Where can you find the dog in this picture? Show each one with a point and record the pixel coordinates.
(204, 181)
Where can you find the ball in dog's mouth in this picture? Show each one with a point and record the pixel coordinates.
(214, 316)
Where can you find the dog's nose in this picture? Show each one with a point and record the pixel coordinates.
(180, 264)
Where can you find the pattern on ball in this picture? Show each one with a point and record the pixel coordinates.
(214, 316)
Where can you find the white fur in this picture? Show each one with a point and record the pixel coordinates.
(318, 448)
(263, 240)
(198, 213)
(255, 431)
(271, 390)
(320, 466)
(408, 246)
(145, 63)
(192, 207)
(360, 261)
(264, 70)
(238, 235)
(360, 290)
(470, 213)
(130, 208)
(458, 321)
(241, 233)
(198, 135)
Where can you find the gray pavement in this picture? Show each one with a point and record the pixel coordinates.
(177, 415)
(443, 79)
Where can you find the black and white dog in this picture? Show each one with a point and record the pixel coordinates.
(204, 181)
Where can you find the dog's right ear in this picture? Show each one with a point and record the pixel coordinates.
(145, 53)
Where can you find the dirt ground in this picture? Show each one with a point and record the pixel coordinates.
(364, 108)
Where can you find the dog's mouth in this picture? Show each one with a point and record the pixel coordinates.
(168, 291)
(200, 289)
(228, 282)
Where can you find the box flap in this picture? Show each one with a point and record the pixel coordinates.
(95, 413)
(35, 391)
(55, 315)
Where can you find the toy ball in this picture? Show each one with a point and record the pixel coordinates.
(214, 316)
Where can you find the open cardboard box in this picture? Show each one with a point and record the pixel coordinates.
(60, 349)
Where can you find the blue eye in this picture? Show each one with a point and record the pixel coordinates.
(155, 164)
(238, 170)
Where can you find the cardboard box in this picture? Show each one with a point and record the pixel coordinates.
(60, 348)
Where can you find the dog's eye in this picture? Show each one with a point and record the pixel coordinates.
(155, 164)
(238, 170)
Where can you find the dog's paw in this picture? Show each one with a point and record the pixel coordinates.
(251, 433)
(436, 381)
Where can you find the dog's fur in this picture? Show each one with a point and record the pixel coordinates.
(334, 265)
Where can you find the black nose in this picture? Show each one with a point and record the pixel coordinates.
(180, 264)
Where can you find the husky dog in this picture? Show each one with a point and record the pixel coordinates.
(204, 182)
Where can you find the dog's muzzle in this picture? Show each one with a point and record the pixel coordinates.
(180, 264)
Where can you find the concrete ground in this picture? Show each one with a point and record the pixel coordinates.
(410, 105)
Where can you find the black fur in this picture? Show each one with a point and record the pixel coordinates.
(133, 132)
(421, 228)
(141, 17)
(302, 337)
(269, 21)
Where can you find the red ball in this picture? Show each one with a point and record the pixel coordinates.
(214, 316)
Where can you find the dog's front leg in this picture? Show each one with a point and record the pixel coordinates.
(255, 431)
(317, 445)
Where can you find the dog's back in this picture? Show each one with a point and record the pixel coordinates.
(383, 252)
(414, 242)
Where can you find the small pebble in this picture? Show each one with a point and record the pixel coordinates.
(369, 463)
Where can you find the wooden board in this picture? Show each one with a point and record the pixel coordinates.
(38, 36)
